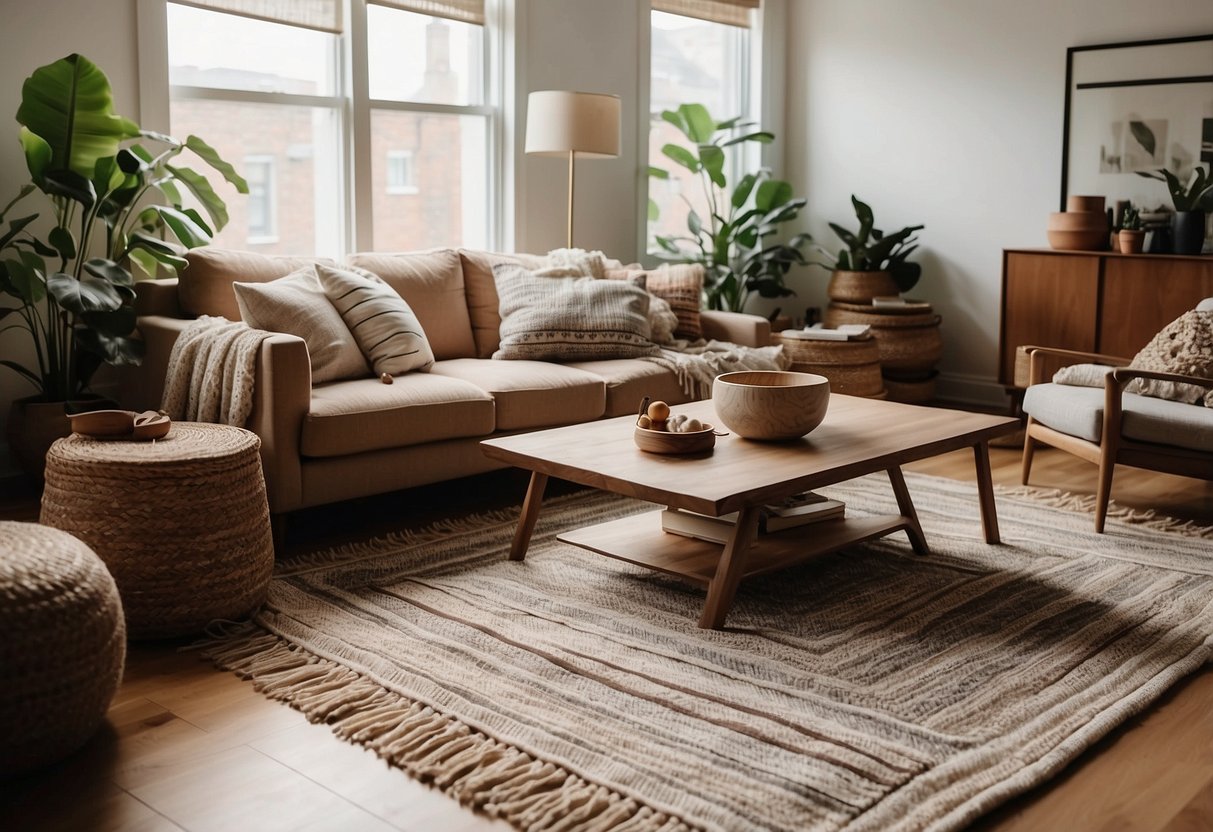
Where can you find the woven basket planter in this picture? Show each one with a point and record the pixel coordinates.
(909, 341)
(182, 523)
(853, 367)
(63, 648)
(860, 287)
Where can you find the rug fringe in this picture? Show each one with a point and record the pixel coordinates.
(1085, 503)
(478, 771)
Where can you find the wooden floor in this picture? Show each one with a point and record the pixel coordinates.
(189, 747)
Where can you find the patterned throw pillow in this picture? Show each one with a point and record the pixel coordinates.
(296, 304)
(1183, 347)
(384, 326)
(570, 318)
(681, 286)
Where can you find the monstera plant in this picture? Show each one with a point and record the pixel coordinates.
(112, 203)
(734, 241)
(109, 199)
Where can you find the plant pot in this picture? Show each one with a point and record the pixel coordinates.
(34, 425)
(1131, 241)
(860, 287)
(1187, 232)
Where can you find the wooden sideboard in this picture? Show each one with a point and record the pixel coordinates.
(1093, 301)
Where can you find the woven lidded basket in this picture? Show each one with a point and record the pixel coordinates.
(908, 341)
(182, 523)
(63, 648)
(853, 367)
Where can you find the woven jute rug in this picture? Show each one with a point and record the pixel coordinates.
(866, 690)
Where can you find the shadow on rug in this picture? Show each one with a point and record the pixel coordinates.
(868, 689)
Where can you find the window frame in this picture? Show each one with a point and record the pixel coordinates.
(271, 189)
(351, 103)
(410, 186)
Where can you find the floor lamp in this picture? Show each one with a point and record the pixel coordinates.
(572, 124)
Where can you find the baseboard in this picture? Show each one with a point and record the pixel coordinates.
(974, 390)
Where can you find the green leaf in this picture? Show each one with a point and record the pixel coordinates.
(15, 227)
(906, 275)
(108, 271)
(676, 119)
(88, 294)
(112, 349)
(845, 235)
(712, 159)
(682, 156)
(120, 321)
(170, 192)
(654, 210)
(26, 278)
(212, 158)
(772, 194)
(658, 173)
(700, 125)
(762, 137)
(197, 184)
(694, 223)
(69, 104)
(742, 192)
(146, 263)
(72, 185)
(198, 220)
(188, 232)
(37, 154)
(164, 253)
(63, 241)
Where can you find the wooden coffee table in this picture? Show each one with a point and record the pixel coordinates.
(858, 437)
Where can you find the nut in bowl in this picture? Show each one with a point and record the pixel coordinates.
(771, 404)
(658, 431)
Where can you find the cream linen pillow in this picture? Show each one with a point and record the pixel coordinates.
(570, 318)
(296, 304)
(384, 326)
(1184, 347)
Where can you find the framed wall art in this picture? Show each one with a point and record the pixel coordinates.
(1134, 107)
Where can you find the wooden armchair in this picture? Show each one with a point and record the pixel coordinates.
(1091, 423)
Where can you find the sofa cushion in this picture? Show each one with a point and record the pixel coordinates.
(681, 286)
(628, 380)
(532, 394)
(431, 283)
(1183, 347)
(1078, 411)
(205, 287)
(349, 417)
(298, 306)
(387, 331)
(570, 318)
(482, 300)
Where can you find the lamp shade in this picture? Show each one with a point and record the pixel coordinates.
(586, 123)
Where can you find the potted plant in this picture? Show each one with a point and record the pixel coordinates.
(732, 242)
(1131, 237)
(1191, 201)
(873, 264)
(113, 204)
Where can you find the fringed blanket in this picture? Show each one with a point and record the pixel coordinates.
(210, 372)
(698, 363)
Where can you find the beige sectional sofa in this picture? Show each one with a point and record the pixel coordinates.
(352, 438)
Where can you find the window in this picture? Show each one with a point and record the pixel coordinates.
(400, 177)
(700, 53)
(275, 86)
(262, 199)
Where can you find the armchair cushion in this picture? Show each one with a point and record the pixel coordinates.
(1183, 347)
(1078, 411)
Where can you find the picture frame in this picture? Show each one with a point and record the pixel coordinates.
(1136, 106)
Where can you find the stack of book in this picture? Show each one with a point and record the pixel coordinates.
(798, 510)
(817, 332)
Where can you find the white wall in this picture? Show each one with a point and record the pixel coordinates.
(946, 113)
(590, 46)
(37, 34)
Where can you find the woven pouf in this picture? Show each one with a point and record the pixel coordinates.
(63, 648)
(181, 522)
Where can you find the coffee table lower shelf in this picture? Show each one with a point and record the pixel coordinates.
(639, 539)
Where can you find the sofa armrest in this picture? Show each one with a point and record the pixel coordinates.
(142, 387)
(737, 327)
(157, 297)
(282, 398)
(1036, 356)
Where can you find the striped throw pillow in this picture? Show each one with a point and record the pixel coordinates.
(387, 331)
(570, 318)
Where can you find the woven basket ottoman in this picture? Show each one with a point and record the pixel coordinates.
(63, 648)
(182, 522)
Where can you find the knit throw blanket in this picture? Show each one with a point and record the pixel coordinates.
(697, 363)
(210, 372)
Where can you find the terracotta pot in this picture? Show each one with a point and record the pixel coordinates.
(860, 287)
(1076, 204)
(34, 425)
(1131, 241)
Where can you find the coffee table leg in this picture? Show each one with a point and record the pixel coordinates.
(985, 492)
(906, 506)
(530, 514)
(729, 570)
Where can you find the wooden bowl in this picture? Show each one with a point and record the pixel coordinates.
(1085, 203)
(1079, 240)
(771, 404)
(664, 442)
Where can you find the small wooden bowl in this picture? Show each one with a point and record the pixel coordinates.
(103, 424)
(664, 442)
